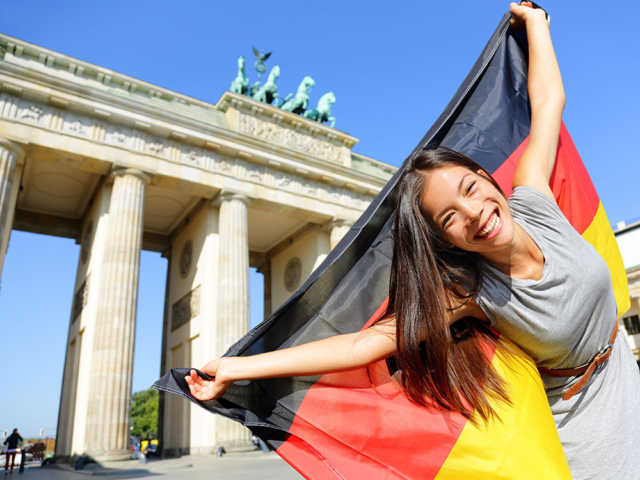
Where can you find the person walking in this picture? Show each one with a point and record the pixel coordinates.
(12, 448)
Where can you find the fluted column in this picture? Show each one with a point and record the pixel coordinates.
(337, 228)
(233, 303)
(108, 418)
(10, 156)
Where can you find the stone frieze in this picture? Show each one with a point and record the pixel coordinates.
(274, 133)
(48, 117)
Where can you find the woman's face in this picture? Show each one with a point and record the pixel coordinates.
(467, 209)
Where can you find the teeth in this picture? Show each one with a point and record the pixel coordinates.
(491, 224)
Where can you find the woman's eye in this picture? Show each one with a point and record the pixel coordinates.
(470, 187)
(446, 220)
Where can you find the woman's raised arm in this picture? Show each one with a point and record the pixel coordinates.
(547, 99)
(334, 354)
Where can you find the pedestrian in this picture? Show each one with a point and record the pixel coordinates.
(12, 448)
(461, 251)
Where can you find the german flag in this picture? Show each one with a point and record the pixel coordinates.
(355, 424)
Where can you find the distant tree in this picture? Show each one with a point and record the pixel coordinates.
(144, 412)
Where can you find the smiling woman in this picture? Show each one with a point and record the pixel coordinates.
(464, 256)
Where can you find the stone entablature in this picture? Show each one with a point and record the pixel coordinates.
(109, 114)
(300, 182)
(255, 143)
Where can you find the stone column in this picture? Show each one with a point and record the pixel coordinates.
(265, 270)
(10, 156)
(233, 294)
(337, 228)
(108, 417)
(163, 352)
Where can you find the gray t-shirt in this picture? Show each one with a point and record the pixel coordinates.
(562, 321)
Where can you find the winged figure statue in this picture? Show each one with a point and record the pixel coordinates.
(261, 57)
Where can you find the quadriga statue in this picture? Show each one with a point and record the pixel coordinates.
(300, 102)
(268, 92)
(322, 113)
(241, 83)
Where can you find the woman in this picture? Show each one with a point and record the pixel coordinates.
(460, 251)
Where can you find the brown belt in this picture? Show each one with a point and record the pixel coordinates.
(585, 370)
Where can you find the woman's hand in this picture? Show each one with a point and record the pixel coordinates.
(521, 13)
(202, 389)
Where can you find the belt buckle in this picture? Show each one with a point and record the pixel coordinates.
(603, 350)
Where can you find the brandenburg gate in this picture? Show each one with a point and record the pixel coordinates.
(122, 165)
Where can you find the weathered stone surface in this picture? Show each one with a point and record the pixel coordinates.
(108, 417)
(74, 124)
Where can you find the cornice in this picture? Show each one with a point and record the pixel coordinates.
(80, 68)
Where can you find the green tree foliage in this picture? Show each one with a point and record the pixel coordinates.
(144, 412)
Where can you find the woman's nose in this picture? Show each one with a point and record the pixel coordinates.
(472, 210)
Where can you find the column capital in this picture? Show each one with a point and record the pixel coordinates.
(122, 171)
(13, 147)
(264, 267)
(227, 195)
(337, 222)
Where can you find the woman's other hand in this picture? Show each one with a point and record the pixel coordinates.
(202, 389)
(520, 14)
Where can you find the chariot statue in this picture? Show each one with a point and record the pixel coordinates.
(322, 113)
(299, 103)
(241, 83)
(269, 91)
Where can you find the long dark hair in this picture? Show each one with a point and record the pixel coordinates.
(450, 367)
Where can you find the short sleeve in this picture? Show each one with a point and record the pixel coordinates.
(485, 306)
(535, 207)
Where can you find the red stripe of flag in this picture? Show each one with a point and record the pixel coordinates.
(570, 182)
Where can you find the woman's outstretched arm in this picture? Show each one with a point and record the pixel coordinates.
(334, 354)
(547, 99)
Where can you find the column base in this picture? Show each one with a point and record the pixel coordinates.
(110, 456)
(236, 446)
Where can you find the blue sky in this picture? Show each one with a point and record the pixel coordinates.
(392, 66)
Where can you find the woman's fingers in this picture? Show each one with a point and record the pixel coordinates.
(211, 367)
(195, 377)
(519, 13)
(202, 389)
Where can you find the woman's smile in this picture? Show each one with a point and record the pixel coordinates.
(491, 227)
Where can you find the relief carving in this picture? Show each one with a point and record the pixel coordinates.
(334, 195)
(274, 133)
(86, 242)
(33, 113)
(282, 181)
(185, 309)
(156, 148)
(309, 189)
(80, 300)
(185, 259)
(292, 274)
(75, 126)
(224, 166)
(255, 173)
(192, 156)
(117, 136)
